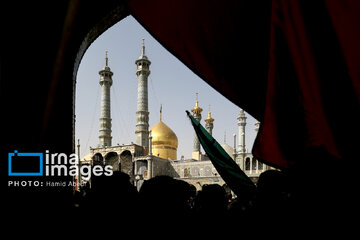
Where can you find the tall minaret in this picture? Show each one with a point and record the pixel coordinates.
(197, 115)
(209, 123)
(242, 124)
(142, 114)
(105, 116)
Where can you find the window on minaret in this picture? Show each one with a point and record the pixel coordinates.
(247, 164)
(260, 166)
(254, 163)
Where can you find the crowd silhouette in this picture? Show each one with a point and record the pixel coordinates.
(173, 201)
(279, 203)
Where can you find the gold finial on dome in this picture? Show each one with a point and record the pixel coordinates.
(209, 118)
(197, 109)
(160, 112)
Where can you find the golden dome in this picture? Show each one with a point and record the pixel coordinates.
(164, 141)
(163, 135)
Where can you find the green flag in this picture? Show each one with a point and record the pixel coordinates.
(234, 177)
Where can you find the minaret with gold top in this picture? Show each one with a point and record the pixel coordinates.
(142, 114)
(105, 115)
(209, 122)
(196, 154)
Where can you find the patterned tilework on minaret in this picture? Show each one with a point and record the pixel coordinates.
(105, 115)
(197, 115)
(142, 114)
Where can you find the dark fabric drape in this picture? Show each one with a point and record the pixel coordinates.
(293, 65)
(311, 95)
(223, 42)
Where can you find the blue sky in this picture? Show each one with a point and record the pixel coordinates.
(170, 83)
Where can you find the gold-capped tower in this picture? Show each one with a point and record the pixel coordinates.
(209, 118)
(196, 110)
(196, 154)
(164, 141)
(209, 122)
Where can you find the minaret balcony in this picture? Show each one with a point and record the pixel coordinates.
(105, 81)
(143, 72)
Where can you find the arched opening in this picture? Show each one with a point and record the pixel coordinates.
(98, 159)
(253, 164)
(247, 164)
(260, 166)
(169, 81)
(208, 171)
(195, 172)
(165, 84)
(112, 159)
(126, 164)
(186, 172)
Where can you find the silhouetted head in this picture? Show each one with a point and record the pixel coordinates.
(112, 195)
(211, 200)
(165, 195)
(273, 191)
